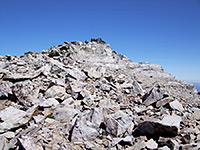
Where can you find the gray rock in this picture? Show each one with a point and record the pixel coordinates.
(153, 96)
(55, 92)
(137, 89)
(65, 114)
(155, 130)
(5, 88)
(171, 121)
(83, 131)
(151, 144)
(118, 124)
(28, 143)
(49, 102)
(13, 117)
(176, 105)
(26, 92)
(164, 101)
(3, 143)
(95, 116)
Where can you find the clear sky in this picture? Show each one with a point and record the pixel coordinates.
(165, 32)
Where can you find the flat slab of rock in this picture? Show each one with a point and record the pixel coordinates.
(176, 105)
(13, 117)
(172, 121)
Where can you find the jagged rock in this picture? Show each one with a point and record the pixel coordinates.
(5, 88)
(83, 131)
(151, 144)
(164, 148)
(118, 124)
(90, 97)
(95, 116)
(55, 92)
(26, 92)
(49, 102)
(65, 114)
(172, 121)
(155, 130)
(13, 117)
(176, 105)
(196, 115)
(99, 40)
(164, 101)
(153, 96)
(28, 143)
(137, 89)
(8, 135)
(3, 143)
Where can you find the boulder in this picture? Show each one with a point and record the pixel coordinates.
(26, 92)
(152, 96)
(154, 130)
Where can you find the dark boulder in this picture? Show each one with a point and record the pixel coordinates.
(99, 41)
(155, 130)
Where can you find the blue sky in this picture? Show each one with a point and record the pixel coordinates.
(165, 32)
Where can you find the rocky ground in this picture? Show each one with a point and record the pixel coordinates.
(83, 95)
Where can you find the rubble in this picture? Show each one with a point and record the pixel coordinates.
(83, 95)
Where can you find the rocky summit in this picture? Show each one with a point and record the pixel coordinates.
(84, 95)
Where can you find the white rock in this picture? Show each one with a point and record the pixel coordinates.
(8, 135)
(151, 144)
(164, 148)
(3, 143)
(171, 121)
(55, 92)
(29, 144)
(38, 118)
(49, 102)
(14, 117)
(176, 105)
(176, 144)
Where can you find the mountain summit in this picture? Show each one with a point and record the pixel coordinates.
(84, 95)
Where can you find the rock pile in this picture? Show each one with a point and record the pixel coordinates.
(83, 95)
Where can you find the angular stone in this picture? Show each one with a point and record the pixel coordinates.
(65, 114)
(118, 124)
(151, 144)
(13, 117)
(137, 89)
(95, 116)
(138, 145)
(164, 148)
(83, 131)
(164, 101)
(28, 143)
(196, 115)
(8, 135)
(171, 121)
(5, 88)
(155, 130)
(26, 92)
(49, 102)
(55, 92)
(153, 96)
(176, 105)
(3, 143)
(38, 118)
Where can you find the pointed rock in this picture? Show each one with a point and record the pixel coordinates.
(176, 105)
(153, 96)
